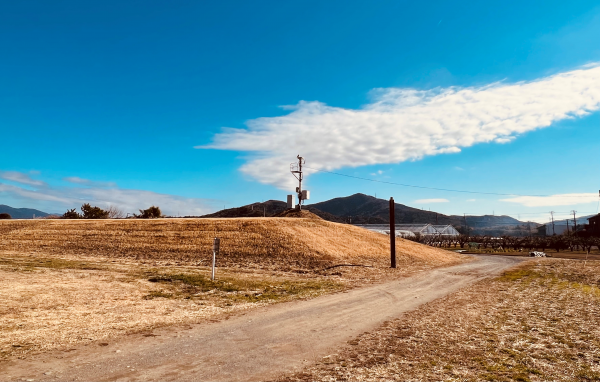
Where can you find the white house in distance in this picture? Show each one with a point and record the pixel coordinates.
(410, 230)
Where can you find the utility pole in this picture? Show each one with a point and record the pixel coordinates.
(567, 226)
(466, 225)
(392, 234)
(297, 169)
(552, 214)
(574, 223)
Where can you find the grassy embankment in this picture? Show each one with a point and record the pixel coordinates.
(72, 282)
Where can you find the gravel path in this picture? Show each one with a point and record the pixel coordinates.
(259, 345)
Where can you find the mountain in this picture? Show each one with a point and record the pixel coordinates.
(581, 220)
(268, 209)
(21, 213)
(365, 209)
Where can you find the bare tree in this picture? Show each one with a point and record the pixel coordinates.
(115, 212)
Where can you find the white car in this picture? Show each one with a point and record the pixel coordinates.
(537, 254)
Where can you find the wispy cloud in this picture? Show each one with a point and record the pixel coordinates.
(428, 201)
(87, 182)
(98, 193)
(554, 200)
(408, 124)
(471, 200)
(19, 177)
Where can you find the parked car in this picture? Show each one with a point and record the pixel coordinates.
(538, 254)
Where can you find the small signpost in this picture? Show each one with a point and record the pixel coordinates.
(216, 245)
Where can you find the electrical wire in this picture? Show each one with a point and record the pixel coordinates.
(434, 188)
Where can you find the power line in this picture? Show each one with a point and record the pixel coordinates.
(433, 188)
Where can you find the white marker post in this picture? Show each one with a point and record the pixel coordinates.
(216, 244)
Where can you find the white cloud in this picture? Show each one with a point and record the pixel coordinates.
(19, 177)
(554, 200)
(427, 201)
(87, 182)
(471, 200)
(407, 124)
(57, 199)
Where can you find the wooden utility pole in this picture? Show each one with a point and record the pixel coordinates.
(552, 214)
(392, 234)
(574, 223)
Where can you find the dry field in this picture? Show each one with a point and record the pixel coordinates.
(66, 283)
(537, 322)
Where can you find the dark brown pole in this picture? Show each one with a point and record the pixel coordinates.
(392, 233)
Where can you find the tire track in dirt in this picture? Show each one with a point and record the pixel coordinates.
(261, 344)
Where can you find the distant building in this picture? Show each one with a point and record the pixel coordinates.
(411, 230)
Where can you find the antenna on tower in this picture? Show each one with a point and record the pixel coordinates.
(296, 170)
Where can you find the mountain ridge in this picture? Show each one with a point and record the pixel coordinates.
(21, 213)
(365, 209)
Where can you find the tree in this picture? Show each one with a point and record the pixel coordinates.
(90, 212)
(5, 216)
(463, 239)
(557, 242)
(150, 213)
(71, 214)
(115, 213)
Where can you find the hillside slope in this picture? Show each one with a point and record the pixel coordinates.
(21, 213)
(271, 243)
(365, 209)
(270, 208)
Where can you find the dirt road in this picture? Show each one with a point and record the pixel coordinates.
(259, 345)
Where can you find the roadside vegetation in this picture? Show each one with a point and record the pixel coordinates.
(538, 322)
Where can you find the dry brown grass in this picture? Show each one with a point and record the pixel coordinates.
(50, 303)
(71, 282)
(263, 243)
(539, 322)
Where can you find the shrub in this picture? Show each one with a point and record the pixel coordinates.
(150, 213)
(90, 212)
(5, 216)
(71, 214)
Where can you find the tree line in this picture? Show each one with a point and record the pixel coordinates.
(93, 212)
(506, 243)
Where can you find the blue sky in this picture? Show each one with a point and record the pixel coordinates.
(126, 103)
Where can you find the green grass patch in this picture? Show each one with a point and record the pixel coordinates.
(30, 264)
(190, 285)
(519, 274)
